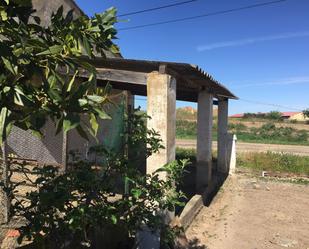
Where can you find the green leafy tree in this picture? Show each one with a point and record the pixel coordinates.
(275, 115)
(306, 113)
(71, 208)
(39, 66)
(39, 69)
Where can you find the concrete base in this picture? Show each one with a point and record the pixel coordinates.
(191, 210)
(203, 176)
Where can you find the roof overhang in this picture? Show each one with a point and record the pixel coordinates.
(131, 75)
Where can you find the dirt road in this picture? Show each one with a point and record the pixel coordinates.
(253, 147)
(251, 214)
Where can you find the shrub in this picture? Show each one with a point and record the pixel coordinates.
(111, 195)
(274, 115)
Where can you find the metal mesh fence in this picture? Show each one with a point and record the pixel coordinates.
(24, 150)
(46, 149)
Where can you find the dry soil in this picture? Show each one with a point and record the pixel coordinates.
(254, 214)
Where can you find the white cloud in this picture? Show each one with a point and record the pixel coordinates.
(242, 42)
(279, 82)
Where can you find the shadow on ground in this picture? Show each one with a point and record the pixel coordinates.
(187, 185)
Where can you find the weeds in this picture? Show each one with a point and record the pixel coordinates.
(261, 161)
(275, 162)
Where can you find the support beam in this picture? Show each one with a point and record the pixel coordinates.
(204, 140)
(161, 107)
(222, 135)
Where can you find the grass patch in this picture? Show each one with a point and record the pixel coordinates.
(268, 161)
(275, 162)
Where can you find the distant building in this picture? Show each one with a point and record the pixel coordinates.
(240, 115)
(298, 116)
(289, 115)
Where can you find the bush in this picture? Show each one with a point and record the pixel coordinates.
(238, 127)
(274, 115)
(109, 196)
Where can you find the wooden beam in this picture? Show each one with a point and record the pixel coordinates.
(116, 75)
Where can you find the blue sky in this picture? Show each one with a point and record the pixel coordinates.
(261, 54)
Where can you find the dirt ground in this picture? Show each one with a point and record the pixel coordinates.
(254, 214)
(253, 147)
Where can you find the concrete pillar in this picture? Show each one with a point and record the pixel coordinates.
(204, 140)
(222, 135)
(161, 107)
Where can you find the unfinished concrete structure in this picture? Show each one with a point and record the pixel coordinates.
(163, 83)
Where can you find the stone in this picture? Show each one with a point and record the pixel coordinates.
(256, 186)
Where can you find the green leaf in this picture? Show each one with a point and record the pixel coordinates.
(86, 46)
(9, 65)
(55, 49)
(71, 121)
(81, 132)
(136, 193)
(6, 89)
(3, 119)
(3, 15)
(94, 123)
(72, 81)
(114, 219)
(102, 114)
(82, 102)
(96, 98)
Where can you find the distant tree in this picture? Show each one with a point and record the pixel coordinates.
(306, 112)
(274, 115)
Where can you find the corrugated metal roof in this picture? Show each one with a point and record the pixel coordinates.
(190, 78)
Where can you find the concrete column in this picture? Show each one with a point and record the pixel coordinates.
(204, 140)
(161, 107)
(222, 135)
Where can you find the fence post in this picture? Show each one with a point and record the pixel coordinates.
(232, 159)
